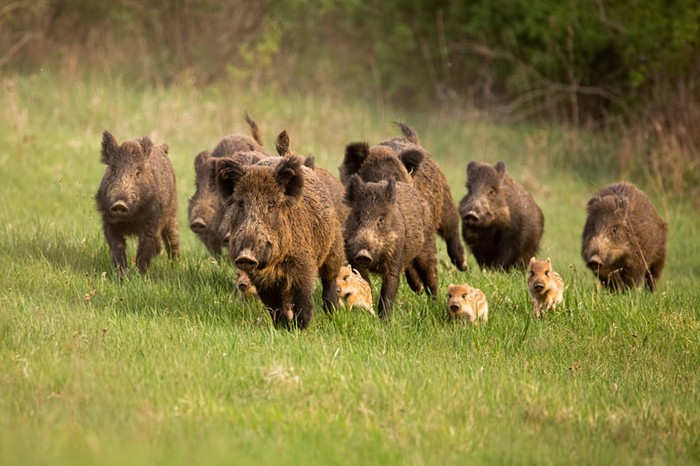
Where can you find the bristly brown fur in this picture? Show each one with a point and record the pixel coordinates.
(624, 238)
(137, 197)
(501, 223)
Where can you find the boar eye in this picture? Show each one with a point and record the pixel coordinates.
(546, 273)
(532, 273)
(380, 221)
(271, 206)
(240, 203)
(464, 296)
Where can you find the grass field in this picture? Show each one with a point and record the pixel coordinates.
(172, 369)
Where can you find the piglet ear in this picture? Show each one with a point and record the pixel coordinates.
(355, 155)
(146, 145)
(282, 144)
(228, 173)
(411, 159)
(290, 176)
(351, 192)
(110, 147)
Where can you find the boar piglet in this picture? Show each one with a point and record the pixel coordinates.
(283, 232)
(624, 239)
(205, 209)
(501, 223)
(388, 231)
(137, 197)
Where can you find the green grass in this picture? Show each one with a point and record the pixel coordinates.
(172, 369)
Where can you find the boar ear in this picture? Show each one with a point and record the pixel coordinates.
(228, 173)
(200, 161)
(310, 162)
(165, 148)
(146, 145)
(110, 147)
(391, 190)
(290, 176)
(282, 143)
(532, 259)
(501, 168)
(593, 201)
(411, 159)
(355, 155)
(471, 166)
(353, 185)
(622, 205)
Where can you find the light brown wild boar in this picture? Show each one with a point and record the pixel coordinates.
(353, 290)
(467, 303)
(545, 285)
(137, 197)
(624, 238)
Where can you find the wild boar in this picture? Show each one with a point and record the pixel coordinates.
(501, 223)
(403, 159)
(137, 197)
(467, 303)
(206, 210)
(624, 238)
(283, 233)
(388, 230)
(546, 286)
(353, 290)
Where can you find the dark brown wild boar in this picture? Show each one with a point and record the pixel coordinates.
(137, 197)
(501, 223)
(388, 231)
(404, 159)
(205, 210)
(284, 233)
(624, 238)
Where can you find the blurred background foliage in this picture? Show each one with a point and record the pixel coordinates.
(629, 65)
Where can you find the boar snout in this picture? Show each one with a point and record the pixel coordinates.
(594, 263)
(119, 208)
(538, 286)
(246, 261)
(243, 287)
(198, 225)
(454, 307)
(363, 258)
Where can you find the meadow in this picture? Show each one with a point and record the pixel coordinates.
(171, 368)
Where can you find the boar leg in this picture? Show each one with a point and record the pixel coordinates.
(413, 279)
(117, 245)
(274, 303)
(149, 246)
(171, 239)
(427, 269)
(303, 302)
(390, 285)
(449, 230)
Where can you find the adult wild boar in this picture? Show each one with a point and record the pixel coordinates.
(137, 197)
(284, 233)
(501, 223)
(205, 209)
(624, 238)
(404, 159)
(388, 231)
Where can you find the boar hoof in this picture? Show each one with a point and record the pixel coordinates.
(363, 258)
(198, 225)
(119, 208)
(246, 262)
